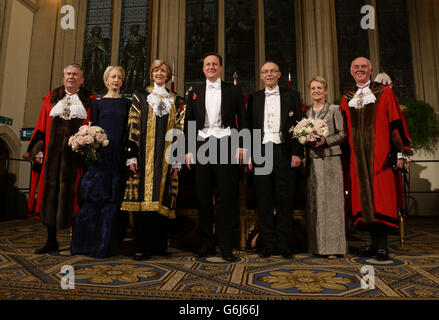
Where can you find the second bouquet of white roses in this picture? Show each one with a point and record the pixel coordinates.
(87, 140)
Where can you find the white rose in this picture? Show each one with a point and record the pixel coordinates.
(88, 139)
(80, 141)
(74, 145)
(99, 137)
(83, 130)
(92, 131)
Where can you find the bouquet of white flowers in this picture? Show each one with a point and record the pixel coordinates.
(87, 140)
(310, 130)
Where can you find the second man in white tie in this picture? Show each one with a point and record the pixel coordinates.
(274, 111)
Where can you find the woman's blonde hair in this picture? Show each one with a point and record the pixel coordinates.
(318, 79)
(111, 68)
(158, 63)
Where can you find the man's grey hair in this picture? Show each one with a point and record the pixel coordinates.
(74, 65)
(269, 61)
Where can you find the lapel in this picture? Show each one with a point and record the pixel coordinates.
(224, 100)
(260, 109)
(202, 103)
(322, 113)
(283, 108)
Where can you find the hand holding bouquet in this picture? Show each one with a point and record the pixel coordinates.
(310, 130)
(87, 140)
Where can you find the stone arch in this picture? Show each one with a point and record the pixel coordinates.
(13, 144)
(4, 155)
(13, 199)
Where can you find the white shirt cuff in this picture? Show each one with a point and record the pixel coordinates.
(403, 156)
(131, 161)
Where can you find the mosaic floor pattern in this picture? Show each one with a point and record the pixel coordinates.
(413, 272)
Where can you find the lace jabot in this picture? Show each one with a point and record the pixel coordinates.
(69, 107)
(160, 101)
(362, 97)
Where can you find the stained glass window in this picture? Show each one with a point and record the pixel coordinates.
(240, 42)
(352, 40)
(201, 37)
(395, 51)
(97, 46)
(280, 38)
(133, 44)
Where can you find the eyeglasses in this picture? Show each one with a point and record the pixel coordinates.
(270, 71)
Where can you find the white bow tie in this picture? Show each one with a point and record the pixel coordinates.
(274, 92)
(213, 86)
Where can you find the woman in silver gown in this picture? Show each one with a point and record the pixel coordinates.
(325, 199)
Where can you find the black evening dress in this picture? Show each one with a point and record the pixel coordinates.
(98, 226)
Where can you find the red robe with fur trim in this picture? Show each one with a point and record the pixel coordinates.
(375, 132)
(40, 141)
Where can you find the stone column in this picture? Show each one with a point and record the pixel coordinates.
(260, 43)
(374, 44)
(17, 18)
(168, 41)
(2, 13)
(316, 45)
(39, 81)
(221, 34)
(424, 33)
(115, 31)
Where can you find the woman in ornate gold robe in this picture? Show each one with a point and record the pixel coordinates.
(151, 190)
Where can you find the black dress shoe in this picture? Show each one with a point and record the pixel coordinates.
(383, 255)
(368, 252)
(205, 252)
(163, 254)
(266, 253)
(229, 257)
(48, 247)
(286, 254)
(139, 256)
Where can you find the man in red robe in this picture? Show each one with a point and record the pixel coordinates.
(379, 146)
(57, 169)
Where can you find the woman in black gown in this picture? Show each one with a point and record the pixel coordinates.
(98, 223)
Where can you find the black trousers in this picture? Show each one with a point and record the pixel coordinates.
(150, 232)
(276, 190)
(378, 235)
(51, 235)
(225, 178)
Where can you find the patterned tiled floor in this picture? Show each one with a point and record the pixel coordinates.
(413, 272)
